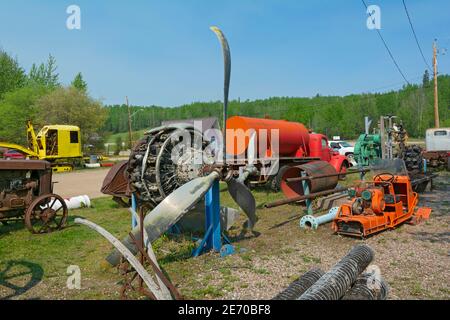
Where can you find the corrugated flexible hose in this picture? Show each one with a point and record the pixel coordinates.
(334, 284)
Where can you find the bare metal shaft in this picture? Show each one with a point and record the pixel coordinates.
(302, 198)
(325, 175)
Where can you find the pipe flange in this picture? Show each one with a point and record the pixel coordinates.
(309, 222)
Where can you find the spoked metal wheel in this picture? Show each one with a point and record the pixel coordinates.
(46, 213)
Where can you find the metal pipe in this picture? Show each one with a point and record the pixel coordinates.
(334, 284)
(325, 175)
(302, 198)
(312, 222)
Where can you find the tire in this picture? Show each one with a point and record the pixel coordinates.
(350, 156)
(275, 181)
(343, 168)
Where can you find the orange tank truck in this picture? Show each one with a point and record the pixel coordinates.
(297, 145)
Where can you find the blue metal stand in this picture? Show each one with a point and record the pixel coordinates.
(134, 213)
(212, 239)
(306, 192)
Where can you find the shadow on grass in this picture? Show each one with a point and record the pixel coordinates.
(13, 271)
(296, 217)
(11, 226)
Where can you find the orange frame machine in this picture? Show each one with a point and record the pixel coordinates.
(382, 204)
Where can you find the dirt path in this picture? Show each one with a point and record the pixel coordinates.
(81, 182)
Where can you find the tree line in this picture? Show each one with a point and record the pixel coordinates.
(38, 95)
(331, 115)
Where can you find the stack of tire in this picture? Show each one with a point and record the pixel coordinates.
(413, 158)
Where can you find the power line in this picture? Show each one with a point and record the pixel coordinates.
(387, 48)
(415, 36)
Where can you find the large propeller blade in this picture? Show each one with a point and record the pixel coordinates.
(238, 191)
(226, 82)
(244, 199)
(168, 212)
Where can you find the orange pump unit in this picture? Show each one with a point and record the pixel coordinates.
(383, 204)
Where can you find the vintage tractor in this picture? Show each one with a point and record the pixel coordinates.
(383, 203)
(26, 193)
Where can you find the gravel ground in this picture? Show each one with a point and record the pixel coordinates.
(414, 260)
(81, 182)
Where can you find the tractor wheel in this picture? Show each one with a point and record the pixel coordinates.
(46, 213)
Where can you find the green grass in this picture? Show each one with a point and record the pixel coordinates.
(37, 264)
(48, 256)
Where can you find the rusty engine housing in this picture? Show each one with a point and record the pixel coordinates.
(153, 172)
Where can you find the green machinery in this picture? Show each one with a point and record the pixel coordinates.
(367, 149)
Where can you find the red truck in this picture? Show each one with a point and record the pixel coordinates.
(297, 145)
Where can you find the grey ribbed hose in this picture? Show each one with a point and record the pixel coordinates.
(299, 286)
(368, 287)
(334, 284)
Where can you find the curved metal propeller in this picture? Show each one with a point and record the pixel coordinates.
(168, 212)
(180, 201)
(238, 191)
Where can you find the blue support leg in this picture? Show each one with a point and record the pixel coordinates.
(212, 211)
(134, 208)
(306, 192)
(212, 240)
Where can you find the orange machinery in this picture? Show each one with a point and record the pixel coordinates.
(382, 204)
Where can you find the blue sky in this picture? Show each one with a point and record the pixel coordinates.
(163, 53)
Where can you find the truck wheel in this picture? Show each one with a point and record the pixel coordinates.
(275, 181)
(343, 169)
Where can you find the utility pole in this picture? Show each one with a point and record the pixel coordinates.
(436, 102)
(129, 124)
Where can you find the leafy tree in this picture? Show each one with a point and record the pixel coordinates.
(79, 83)
(119, 143)
(45, 74)
(12, 76)
(15, 109)
(74, 107)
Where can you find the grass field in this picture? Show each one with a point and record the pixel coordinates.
(413, 259)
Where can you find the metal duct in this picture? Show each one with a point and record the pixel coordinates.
(335, 283)
(368, 287)
(299, 286)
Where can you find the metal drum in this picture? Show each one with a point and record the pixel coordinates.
(295, 189)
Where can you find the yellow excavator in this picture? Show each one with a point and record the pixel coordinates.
(58, 144)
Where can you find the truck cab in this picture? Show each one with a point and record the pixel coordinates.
(437, 139)
(437, 142)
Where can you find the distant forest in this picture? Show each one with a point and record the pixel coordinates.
(331, 115)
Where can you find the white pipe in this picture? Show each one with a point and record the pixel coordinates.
(74, 203)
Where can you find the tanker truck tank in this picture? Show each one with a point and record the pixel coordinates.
(293, 137)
